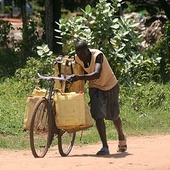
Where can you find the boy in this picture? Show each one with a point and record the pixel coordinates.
(103, 91)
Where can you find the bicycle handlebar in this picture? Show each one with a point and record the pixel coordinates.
(51, 77)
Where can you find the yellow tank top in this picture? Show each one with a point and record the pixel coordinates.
(107, 79)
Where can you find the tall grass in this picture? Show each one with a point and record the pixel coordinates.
(144, 111)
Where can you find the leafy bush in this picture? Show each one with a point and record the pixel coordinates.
(14, 53)
(14, 91)
(8, 59)
(5, 39)
(114, 35)
(144, 109)
(43, 65)
(30, 40)
(8, 62)
(162, 50)
(150, 98)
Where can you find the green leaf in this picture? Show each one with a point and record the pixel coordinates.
(92, 22)
(134, 25)
(88, 8)
(57, 23)
(39, 47)
(158, 58)
(119, 5)
(59, 43)
(56, 30)
(50, 53)
(106, 10)
(115, 26)
(58, 37)
(120, 49)
(76, 35)
(40, 52)
(46, 49)
(125, 39)
(115, 20)
(125, 33)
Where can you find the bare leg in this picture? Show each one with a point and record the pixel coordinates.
(118, 126)
(100, 124)
(122, 146)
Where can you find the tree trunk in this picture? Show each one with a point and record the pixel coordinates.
(57, 15)
(24, 36)
(23, 13)
(52, 14)
(48, 23)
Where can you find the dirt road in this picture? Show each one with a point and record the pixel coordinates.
(144, 153)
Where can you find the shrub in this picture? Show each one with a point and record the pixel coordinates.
(162, 50)
(43, 65)
(14, 53)
(114, 35)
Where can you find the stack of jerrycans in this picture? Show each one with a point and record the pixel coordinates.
(36, 95)
(72, 110)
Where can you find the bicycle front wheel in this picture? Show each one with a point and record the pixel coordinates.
(65, 142)
(41, 128)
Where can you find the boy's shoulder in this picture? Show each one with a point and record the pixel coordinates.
(95, 51)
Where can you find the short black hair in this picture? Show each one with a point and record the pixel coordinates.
(81, 45)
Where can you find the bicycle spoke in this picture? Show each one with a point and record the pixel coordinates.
(41, 129)
(65, 142)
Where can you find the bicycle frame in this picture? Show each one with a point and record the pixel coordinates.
(51, 90)
(47, 104)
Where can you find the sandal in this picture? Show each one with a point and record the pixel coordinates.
(103, 151)
(122, 146)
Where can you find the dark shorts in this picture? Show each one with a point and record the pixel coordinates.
(105, 104)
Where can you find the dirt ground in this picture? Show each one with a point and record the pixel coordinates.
(144, 153)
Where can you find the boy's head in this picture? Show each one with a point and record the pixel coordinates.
(82, 51)
(81, 45)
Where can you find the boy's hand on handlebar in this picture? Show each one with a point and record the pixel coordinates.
(72, 78)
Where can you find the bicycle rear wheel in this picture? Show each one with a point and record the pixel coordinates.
(41, 128)
(65, 142)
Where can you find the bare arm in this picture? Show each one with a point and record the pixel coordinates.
(91, 76)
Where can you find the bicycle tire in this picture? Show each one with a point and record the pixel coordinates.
(65, 142)
(41, 128)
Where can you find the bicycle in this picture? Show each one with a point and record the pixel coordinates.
(43, 128)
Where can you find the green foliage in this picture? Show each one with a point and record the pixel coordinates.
(8, 63)
(144, 110)
(43, 65)
(162, 50)
(5, 39)
(150, 98)
(112, 34)
(13, 98)
(152, 7)
(14, 53)
(44, 51)
(26, 47)
(14, 91)
(141, 7)
(146, 107)
(149, 68)
(8, 59)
